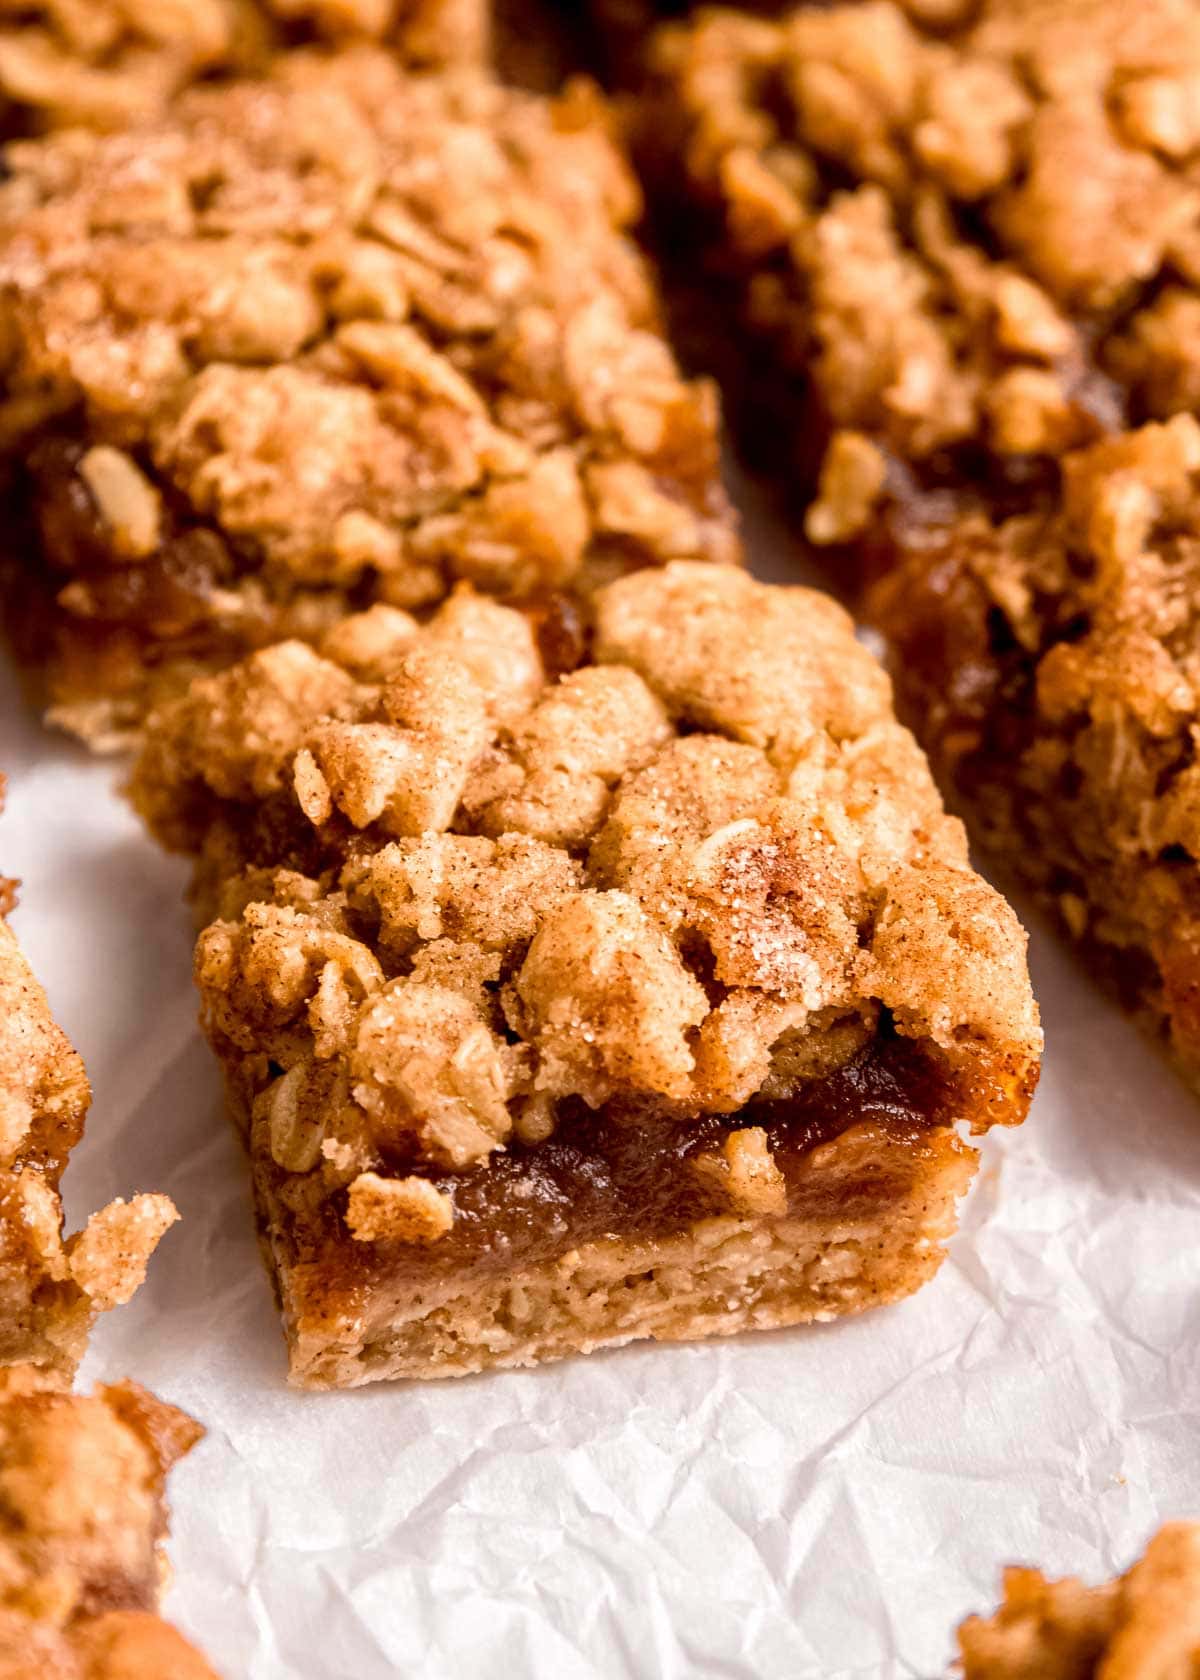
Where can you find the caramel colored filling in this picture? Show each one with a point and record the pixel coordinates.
(95, 621)
(626, 1172)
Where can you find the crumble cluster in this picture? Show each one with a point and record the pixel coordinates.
(106, 63)
(1052, 660)
(51, 1287)
(337, 336)
(689, 873)
(969, 234)
(1143, 1626)
(82, 1519)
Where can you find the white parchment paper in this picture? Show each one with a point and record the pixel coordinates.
(824, 1502)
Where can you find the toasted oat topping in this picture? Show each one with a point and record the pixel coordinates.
(106, 63)
(1143, 1626)
(691, 872)
(974, 236)
(82, 1519)
(343, 334)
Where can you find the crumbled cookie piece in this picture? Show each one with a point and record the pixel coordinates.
(745, 1169)
(516, 983)
(397, 1209)
(962, 240)
(52, 1286)
(1143, 1626)
(106, 64)
(335, 337)
(82, 1521)
(1050, 661)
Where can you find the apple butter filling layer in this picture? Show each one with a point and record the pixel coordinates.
(333, 337)
(52, 1286)
(553, 964)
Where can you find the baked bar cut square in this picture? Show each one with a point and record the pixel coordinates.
(561, 1007)
(1143, 1626)
(338, 337)
(83, 1517)
(960, 238)
(51, 1286)
(106, 64)
(1049, 660)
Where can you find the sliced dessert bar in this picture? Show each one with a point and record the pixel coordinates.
(1051, 662)
(960, 241)
(82, 1521)
(108, 63)
(1143, 1626)
(312, 342)
(565, 1007)
(51, 1289)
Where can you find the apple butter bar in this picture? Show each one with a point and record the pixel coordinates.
(314, 341)
(105, 64)
(1143, 1626)
(82, 1520)
(961, 238)
(1049, 660)
(51, 1288)
(566, 1001)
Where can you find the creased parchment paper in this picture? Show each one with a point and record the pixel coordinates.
(825, 1502)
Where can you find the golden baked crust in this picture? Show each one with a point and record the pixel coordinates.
(512, 963)
(107, 63)
(1143, 1626)
(963, 240)
(51, 1287)
(82, 1520)
(340, 336)
(1050, 661)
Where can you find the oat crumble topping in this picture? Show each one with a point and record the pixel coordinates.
(693, 872)
(966, 236)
